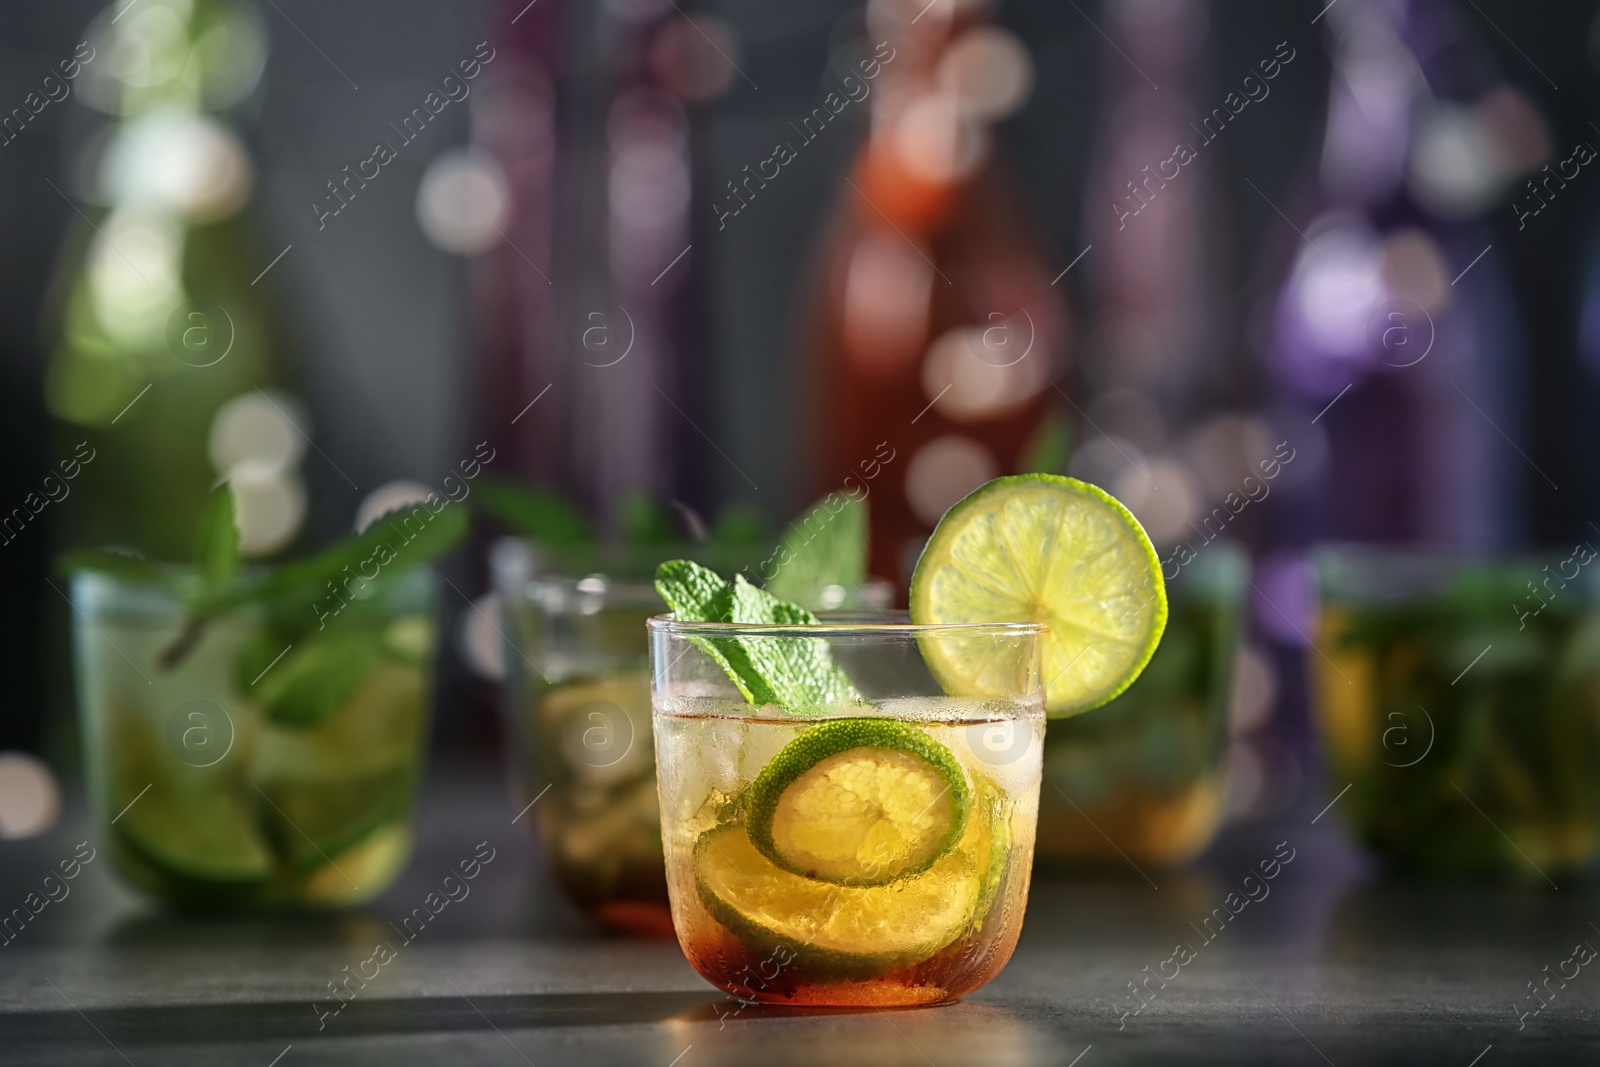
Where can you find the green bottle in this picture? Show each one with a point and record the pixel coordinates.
(165, 357)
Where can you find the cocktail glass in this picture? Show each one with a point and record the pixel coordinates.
(1142, 777)
(208, 800)
(576, 704)
(1460, 702)
(893, 934)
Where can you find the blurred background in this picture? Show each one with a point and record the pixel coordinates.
(1274, 274)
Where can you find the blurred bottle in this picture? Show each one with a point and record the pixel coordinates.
(587, 120)
(935, 333)
(1395, 329)
(163, 337)
(1156, 369)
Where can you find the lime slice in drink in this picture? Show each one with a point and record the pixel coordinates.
(844, 931)
(197, 839)
(333, 783)
(312, 820)
(359, 873)
(859, 802)
(1043, 548)
(191, 832)
(597, 731)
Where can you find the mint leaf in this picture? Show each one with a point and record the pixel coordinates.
(740, 526)
(698, 594)
(296, 595)
(318, 675)
(694, 593)
(400, 539)
(216, 545)
(825, 546)
(1049, 448)
(536, 514)
(644, 521)
(796, 673)
(800, 670)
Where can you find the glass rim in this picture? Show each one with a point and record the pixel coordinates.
(844, 624)
(91, 590)
(612, 592)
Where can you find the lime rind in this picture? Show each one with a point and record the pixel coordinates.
(906, 752)
(360, 872)
(310, 820)
(840, 932)
(1051, 549)
(987, 806)
(204, 839)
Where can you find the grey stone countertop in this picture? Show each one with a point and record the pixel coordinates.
(1331, 965)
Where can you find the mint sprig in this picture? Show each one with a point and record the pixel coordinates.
(538, 514)
(317, 655)
(216, 545)
(1049, 449)
(825, 546)
(316, 677)
(796, 673)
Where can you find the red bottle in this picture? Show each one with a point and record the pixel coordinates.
(936, 334)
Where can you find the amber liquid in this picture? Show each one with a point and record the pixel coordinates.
(772, 976)
(777, 953)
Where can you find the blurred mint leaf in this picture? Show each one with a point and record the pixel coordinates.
(1049, 448)
(825, 546)
(258, 651)
(216, 545)
(740, 526)
(796, 673)
(537, 514)
(317, 675)
(401, 539)
(646, 521)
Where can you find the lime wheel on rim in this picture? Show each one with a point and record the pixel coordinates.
(1050, 549)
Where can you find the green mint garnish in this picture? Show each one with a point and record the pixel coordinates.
(395, 541)
(825, 546)
(1049, 449)
(537, 514)
(216, 545)
(740, 526)
(645, 521)
(795, 673)
(316, 676)
(316, 639)
(333, 637)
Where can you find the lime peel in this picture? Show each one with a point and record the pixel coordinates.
(837, 931)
